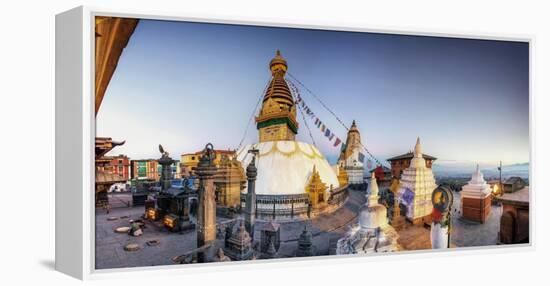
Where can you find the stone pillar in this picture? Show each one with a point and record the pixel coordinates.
(206, 214)
(166, 172)
(250, 207)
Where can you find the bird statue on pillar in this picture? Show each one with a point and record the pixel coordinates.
(206, 214)
(166, 172)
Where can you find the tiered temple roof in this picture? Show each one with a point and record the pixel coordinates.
(410, 155)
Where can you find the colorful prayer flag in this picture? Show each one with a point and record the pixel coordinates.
(408, 196)
(361, 157)
(327, 132)
(337, 142)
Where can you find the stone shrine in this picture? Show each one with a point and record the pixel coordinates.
(239, 245)
(475, 198)
(415, 188)
(373, 233)
(317, 191)
(270, 233)
(229, 181)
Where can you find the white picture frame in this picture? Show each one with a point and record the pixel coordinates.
(75, 125)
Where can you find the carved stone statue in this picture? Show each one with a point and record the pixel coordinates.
(166, 173)
(164, 153)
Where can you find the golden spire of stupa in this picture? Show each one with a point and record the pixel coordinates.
(277, 118)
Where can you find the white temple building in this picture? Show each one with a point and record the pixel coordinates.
(373, 233)
(350, 157)
(416, 186)
(475, 198)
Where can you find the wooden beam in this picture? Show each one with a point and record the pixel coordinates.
(112, 36)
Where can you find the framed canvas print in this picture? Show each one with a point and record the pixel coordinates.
(187, 142)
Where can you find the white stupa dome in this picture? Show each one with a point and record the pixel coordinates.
(284, 167)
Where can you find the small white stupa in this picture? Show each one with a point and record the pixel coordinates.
(416, 186)
(373, 233)
(372, 214)
(475, 198)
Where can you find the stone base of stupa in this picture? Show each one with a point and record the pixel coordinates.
(476, 209)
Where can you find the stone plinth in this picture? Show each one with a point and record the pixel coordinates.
(475, 198)
(476, 209)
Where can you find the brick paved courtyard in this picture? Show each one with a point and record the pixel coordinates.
(326, 230)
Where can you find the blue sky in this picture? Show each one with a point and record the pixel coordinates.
(184, 84)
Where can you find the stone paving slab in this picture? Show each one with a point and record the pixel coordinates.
(326, 230)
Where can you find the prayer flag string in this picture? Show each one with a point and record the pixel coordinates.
(321, 126)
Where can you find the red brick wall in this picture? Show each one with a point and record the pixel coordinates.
(476, 209)
(120, 165)
(521, 219)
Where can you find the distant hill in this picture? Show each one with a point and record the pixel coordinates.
(519, 170)
(465, 170)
